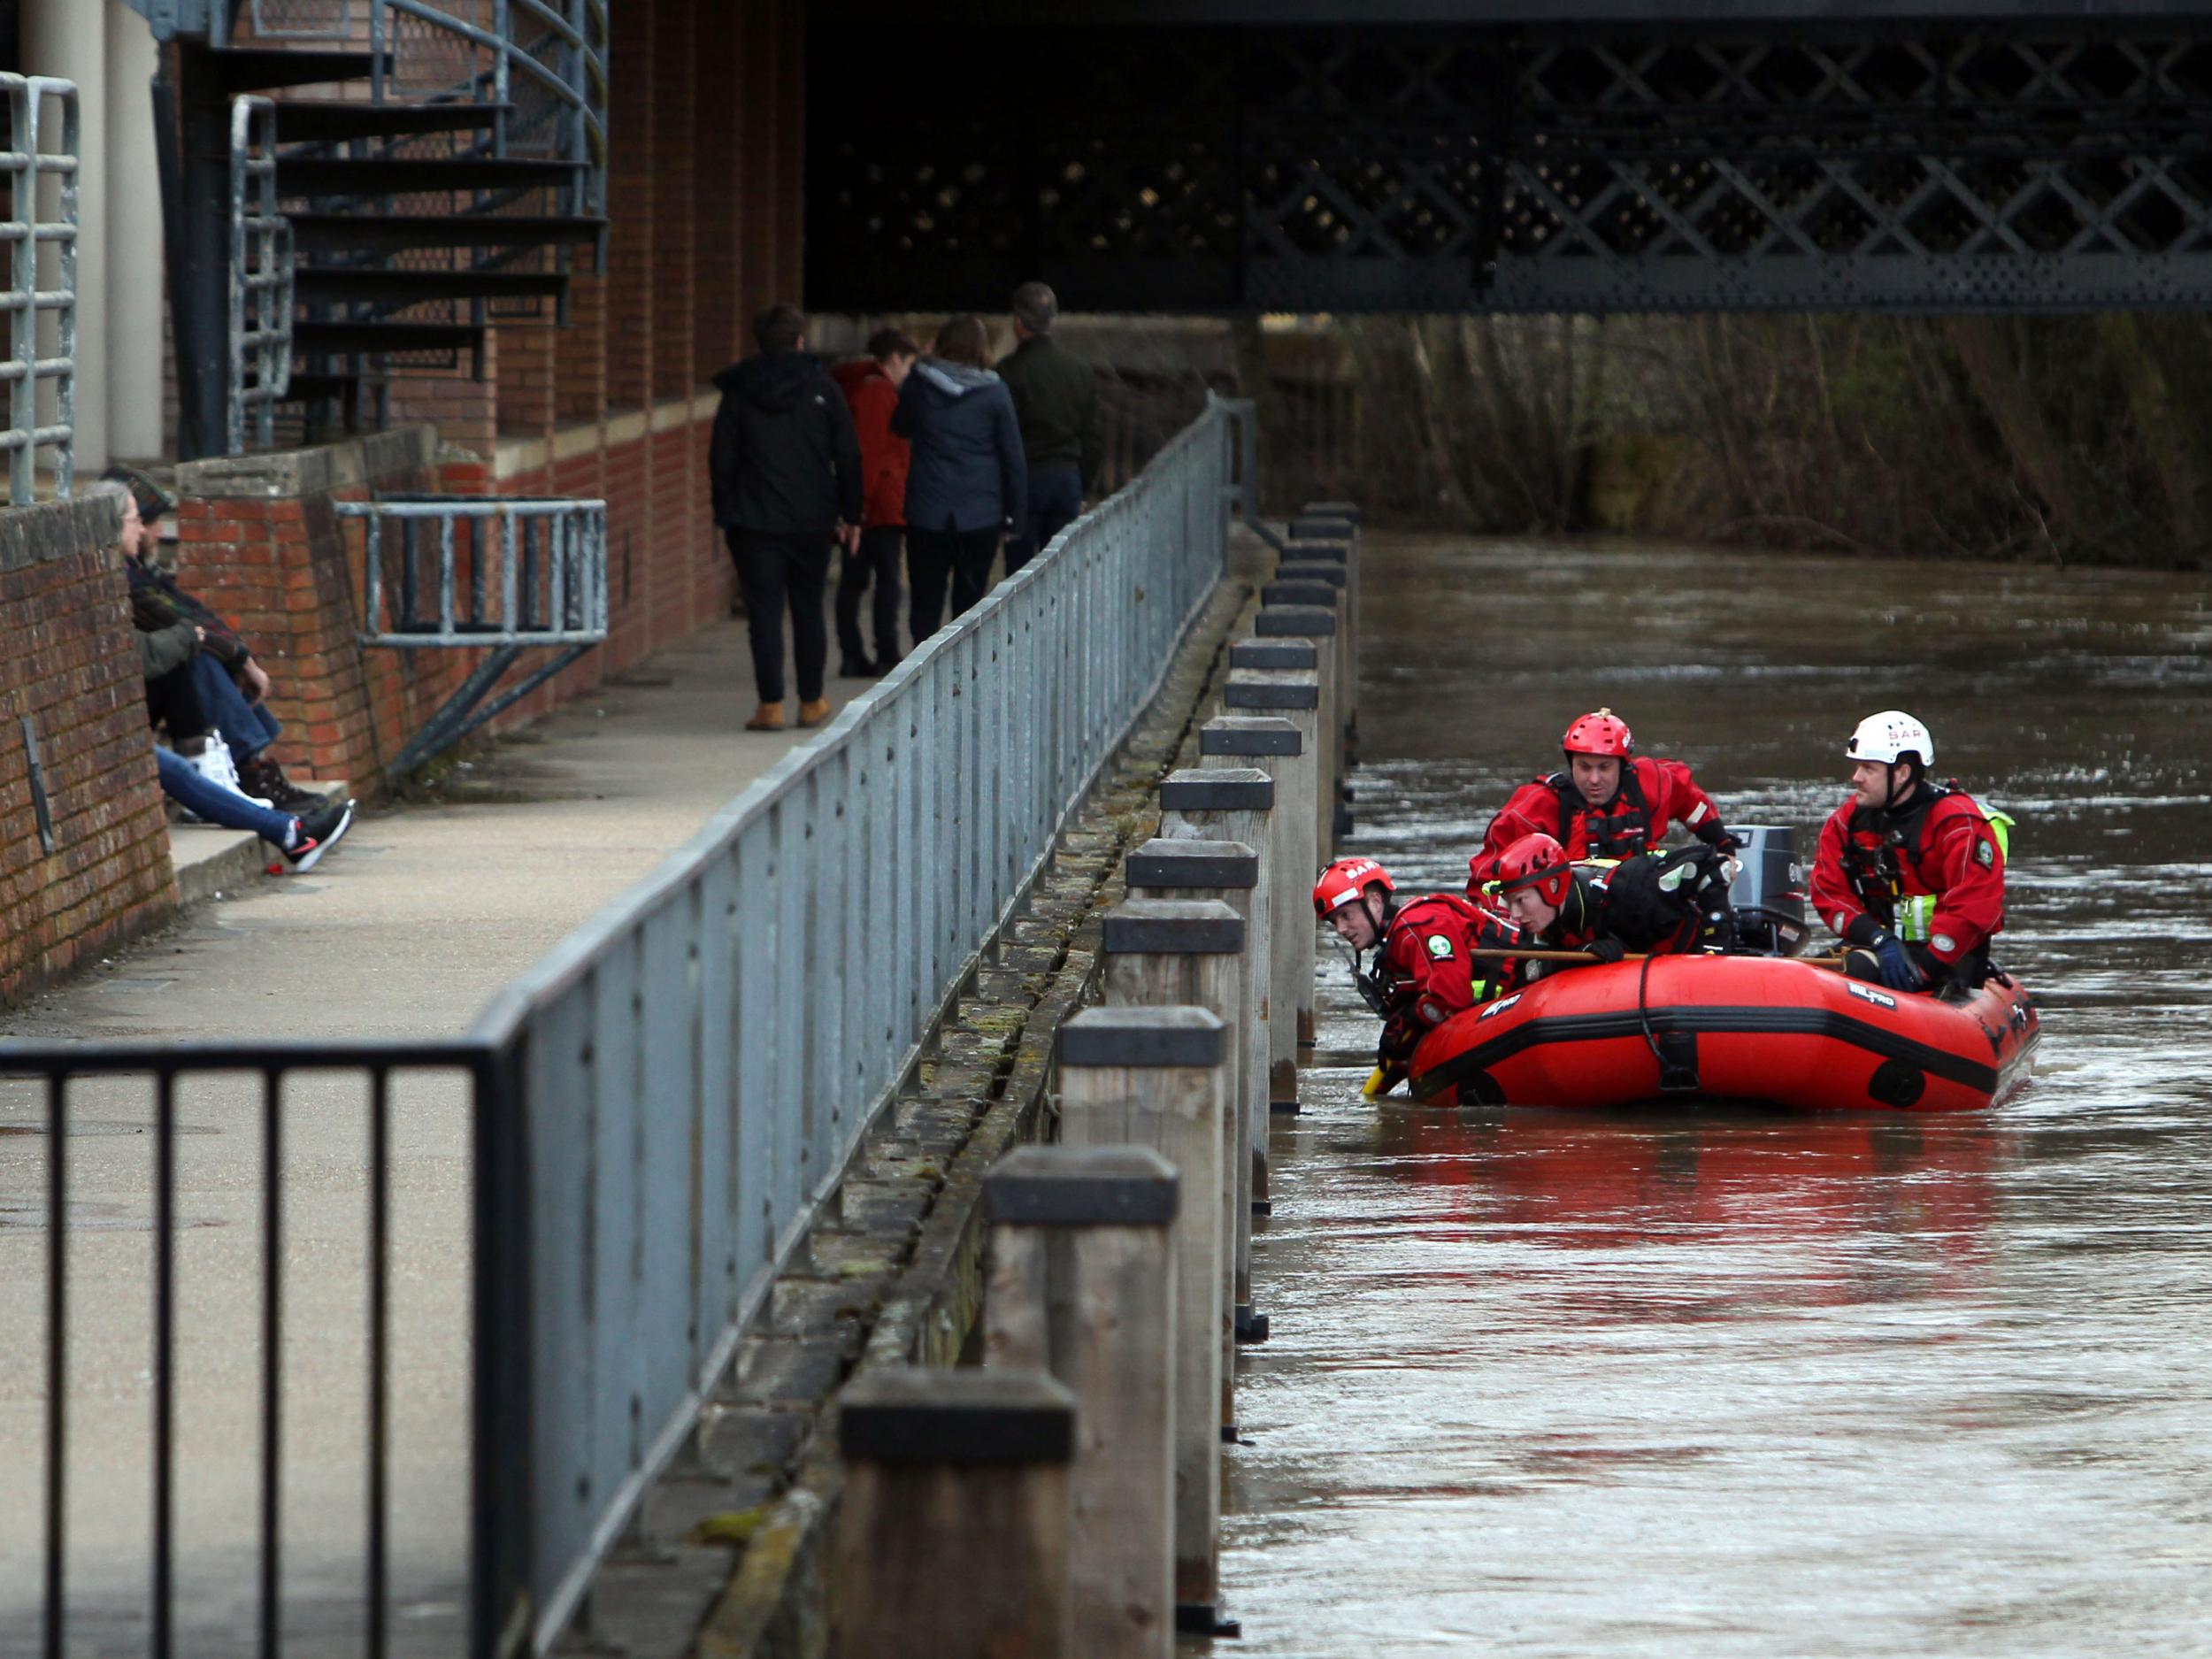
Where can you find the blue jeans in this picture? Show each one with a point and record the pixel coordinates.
(248, 728)
(1055, 496)
(181, 782)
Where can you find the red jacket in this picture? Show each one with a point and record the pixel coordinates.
(1427, 968)
(1655, 795)
(883, 454)
(1941, 844)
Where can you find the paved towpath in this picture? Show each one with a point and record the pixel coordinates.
(406, 930)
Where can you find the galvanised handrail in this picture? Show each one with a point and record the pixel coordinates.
(693, 1070)
(26, 229)
(261, 283)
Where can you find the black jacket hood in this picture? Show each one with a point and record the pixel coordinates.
(772, 382)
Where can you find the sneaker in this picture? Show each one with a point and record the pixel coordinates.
(214, 764)
(320, 831)
(262, 776)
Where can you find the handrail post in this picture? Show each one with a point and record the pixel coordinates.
(1082, 1285)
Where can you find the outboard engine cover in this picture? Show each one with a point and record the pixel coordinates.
(1769, 893)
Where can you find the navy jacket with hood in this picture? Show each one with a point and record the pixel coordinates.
(784, 459)
(967, 472)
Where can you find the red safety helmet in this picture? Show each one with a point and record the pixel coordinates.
(1344, 881)
(1604, 732)
(1538, 862)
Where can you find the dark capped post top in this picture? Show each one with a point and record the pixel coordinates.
(1298, 594)
(1080, 1186)
(1166, 1036)
(1348, 511)
(1218, 788)
(1174, 927)
(925, 1414)
(1250, 734)
(1310, 571)
(1160, 862)
(1274, 654)
(1265, 689)
(1294, 621)
(1320, 552)
(1314, 527)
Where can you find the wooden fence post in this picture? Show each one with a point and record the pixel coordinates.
(1237, 804)
(1310, 530)
(1231, 742)
(1229, 872)
(1082, 1285)
(1315, 656)
(1294, 698)
(953, 1531)
(1317, 625)
(1159, 1077)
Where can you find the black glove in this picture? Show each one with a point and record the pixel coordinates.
(1900, 972)
(1605, 949)
(1715, 835)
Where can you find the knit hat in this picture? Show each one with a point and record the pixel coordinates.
(152, 500)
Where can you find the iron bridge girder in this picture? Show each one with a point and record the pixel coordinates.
(1908, 166)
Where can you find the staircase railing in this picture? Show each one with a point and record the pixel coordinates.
(28, 228)
(261, 277)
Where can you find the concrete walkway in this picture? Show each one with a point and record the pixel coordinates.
(406, 930)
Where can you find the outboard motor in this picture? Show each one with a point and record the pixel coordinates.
(1769, 893)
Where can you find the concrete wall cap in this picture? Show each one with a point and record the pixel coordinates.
(42, 531)
(1218, 789)
(1173, 928)
(923, 1414)
(1081, 1186)
(1160, 862)
(1146, 1037)
(1274, 654)
(1288, 621)
(1250, 734)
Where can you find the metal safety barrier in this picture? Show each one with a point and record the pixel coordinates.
(28, 228)
(501, 573)
(651, 1117)
(261, 277)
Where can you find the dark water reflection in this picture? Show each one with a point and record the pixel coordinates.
(1700, 1382)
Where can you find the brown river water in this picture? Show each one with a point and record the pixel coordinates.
(1709, 1382)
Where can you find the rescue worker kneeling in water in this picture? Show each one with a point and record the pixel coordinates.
(1610, 802)
(1909, 872)
(1426, 970)
(1657, 904)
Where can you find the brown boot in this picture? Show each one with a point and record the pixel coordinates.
(767, 717)
(815, 712)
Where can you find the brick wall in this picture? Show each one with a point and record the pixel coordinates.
(72, 668)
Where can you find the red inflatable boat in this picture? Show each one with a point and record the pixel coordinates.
(1753, 1028)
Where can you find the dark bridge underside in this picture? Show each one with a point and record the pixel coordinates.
(1901, 164)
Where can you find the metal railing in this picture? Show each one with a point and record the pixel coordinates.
(261, 269)
(655, 1113)
(503, 573)
(696, 1066)
(29, 227)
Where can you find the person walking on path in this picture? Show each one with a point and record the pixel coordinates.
(785, 466)
(871, 384)
(1055, 399)
(966, 478)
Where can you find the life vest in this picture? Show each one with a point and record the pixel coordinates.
(1619, 829)
(1883, 848)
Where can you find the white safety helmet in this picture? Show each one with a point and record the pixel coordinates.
(1889, 737)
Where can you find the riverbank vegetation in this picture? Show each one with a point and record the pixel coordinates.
(2060, 439)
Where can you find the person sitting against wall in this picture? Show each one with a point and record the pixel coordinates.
(301, 839)
(219, 689)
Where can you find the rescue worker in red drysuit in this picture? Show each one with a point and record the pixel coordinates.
(1610, 802)
(1911, 873)
(1661, 904)
(1425, 970)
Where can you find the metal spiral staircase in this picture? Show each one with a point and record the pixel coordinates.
(436, 163)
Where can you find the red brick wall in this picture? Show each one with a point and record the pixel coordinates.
(74, 669)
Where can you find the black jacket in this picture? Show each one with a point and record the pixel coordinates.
(784, 459)
(1056, 395)
(965, 471)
